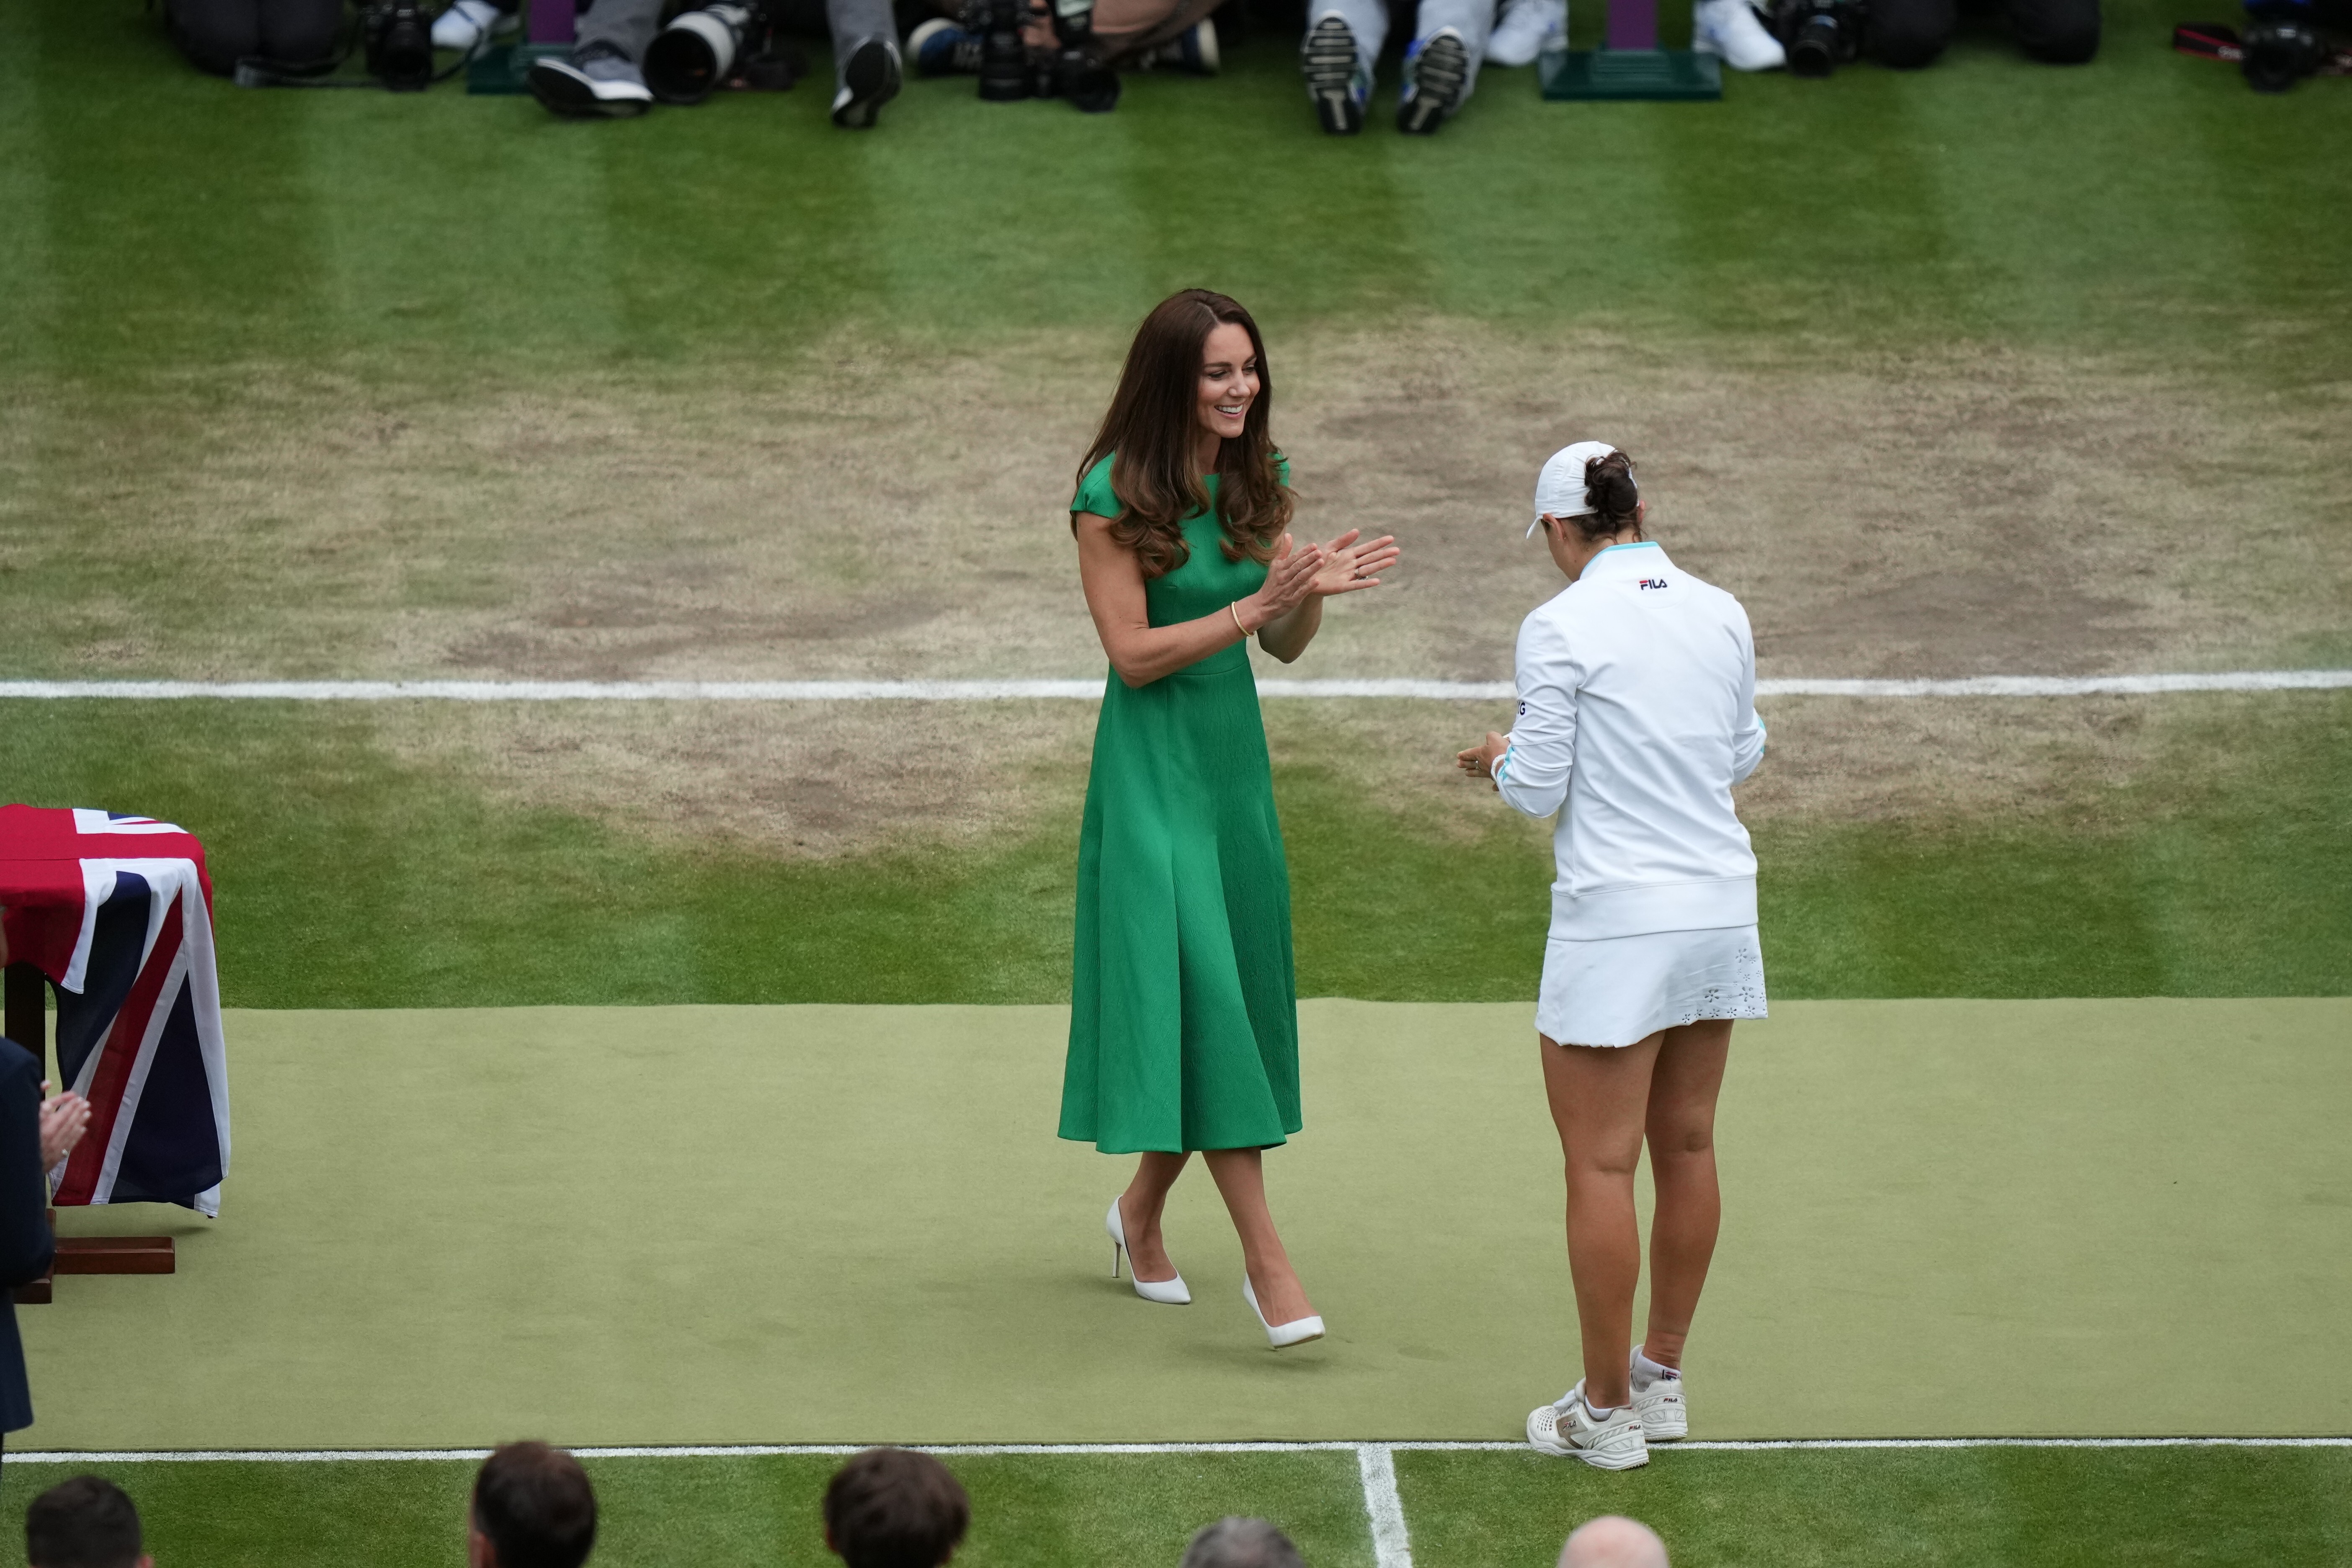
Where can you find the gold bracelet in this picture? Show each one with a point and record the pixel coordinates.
(1233, 609)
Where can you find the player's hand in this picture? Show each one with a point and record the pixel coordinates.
(1479, 761)
(1349, 564)
(64, 1118)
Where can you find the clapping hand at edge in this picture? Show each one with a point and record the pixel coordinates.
(64, 1118)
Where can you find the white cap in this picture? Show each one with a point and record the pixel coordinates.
(1559, 488)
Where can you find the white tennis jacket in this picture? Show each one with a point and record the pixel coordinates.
(1637, 709)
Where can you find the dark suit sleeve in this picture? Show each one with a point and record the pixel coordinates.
(25, 1240)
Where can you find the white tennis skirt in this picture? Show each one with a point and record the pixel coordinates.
(1620, 990)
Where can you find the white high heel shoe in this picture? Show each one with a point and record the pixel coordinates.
(1167, 1292)
(1282, 1336)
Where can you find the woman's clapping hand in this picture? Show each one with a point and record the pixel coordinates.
(1289, 579)
(1350, 562)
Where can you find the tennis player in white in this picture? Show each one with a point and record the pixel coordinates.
(1637, 714)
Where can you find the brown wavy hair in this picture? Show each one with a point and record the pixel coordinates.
(1614, 495)
(1150, 431)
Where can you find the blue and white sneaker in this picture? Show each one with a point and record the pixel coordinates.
(1436, 80)
(1338, 82)
(598, 80)
(1732, 30)
(868, 82)
(1193, 51)
(1526, 26)
(939, 48)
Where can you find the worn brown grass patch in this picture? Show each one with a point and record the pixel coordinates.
(880, 509)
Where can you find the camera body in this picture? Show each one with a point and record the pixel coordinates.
(398, 43)
(1820, 34)
(1073, 68)
(2281, 43)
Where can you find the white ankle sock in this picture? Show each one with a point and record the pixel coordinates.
(1598, 1415)
(1647, 1372)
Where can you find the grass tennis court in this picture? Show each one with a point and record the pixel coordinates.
(1990, 368)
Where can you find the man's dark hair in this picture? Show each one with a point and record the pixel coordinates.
(86, 1522)
(1237, 1542)
(892, 1508)
(535, 1505)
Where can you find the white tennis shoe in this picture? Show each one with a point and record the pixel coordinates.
(1731, 29)
(1660, 1407)
(1568, 1431)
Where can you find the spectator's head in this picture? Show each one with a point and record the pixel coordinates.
(84, 1522)
(893, 1507)
(1236, 1542)
(533, 1509)
(1612, 1541)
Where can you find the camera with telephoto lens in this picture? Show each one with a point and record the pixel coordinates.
(703, 49)
(1820, 34)
(1004, 74)
(398, 45)
(1072, 68)
(1080, 73)
(2281, 43)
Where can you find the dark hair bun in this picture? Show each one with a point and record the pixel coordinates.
(1610, 489)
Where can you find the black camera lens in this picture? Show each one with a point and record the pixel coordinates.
(692, 56)
(2280, 54)
(400, 47)
(1815, 48)
(1003, 57)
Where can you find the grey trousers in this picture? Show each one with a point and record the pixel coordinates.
(1369, 20)
(629, 25)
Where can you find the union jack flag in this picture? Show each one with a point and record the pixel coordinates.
(117, 911)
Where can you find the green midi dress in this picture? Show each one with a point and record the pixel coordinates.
(1183, 1003)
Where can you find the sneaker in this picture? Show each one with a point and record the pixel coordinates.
(1193, 51)
(1337, 80)
(942, 48)
(1520, 36)
(1732, 29)
(867, 82)
(1436, 78)
(1568, 1431)
(597, 79)
(1660, 1407)
(466, 25)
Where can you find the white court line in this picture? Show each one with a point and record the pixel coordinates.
(794, 1450)
(1090, 691)
(1392, 1545)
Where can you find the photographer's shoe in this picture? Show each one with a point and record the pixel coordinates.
(942, 48)
(1193, 51)
(1732, 30)
(598, 80)
(1520, 36)
(466, 25)
(1337, 80)
(1436, 78)
(868, 82)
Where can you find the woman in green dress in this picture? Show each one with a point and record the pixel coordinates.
(1183, 1018)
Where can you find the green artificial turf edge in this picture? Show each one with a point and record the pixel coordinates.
(349, 877)
(2048, 1507)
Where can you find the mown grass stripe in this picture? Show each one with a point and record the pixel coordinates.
(988, 1450)
(1030, 691)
